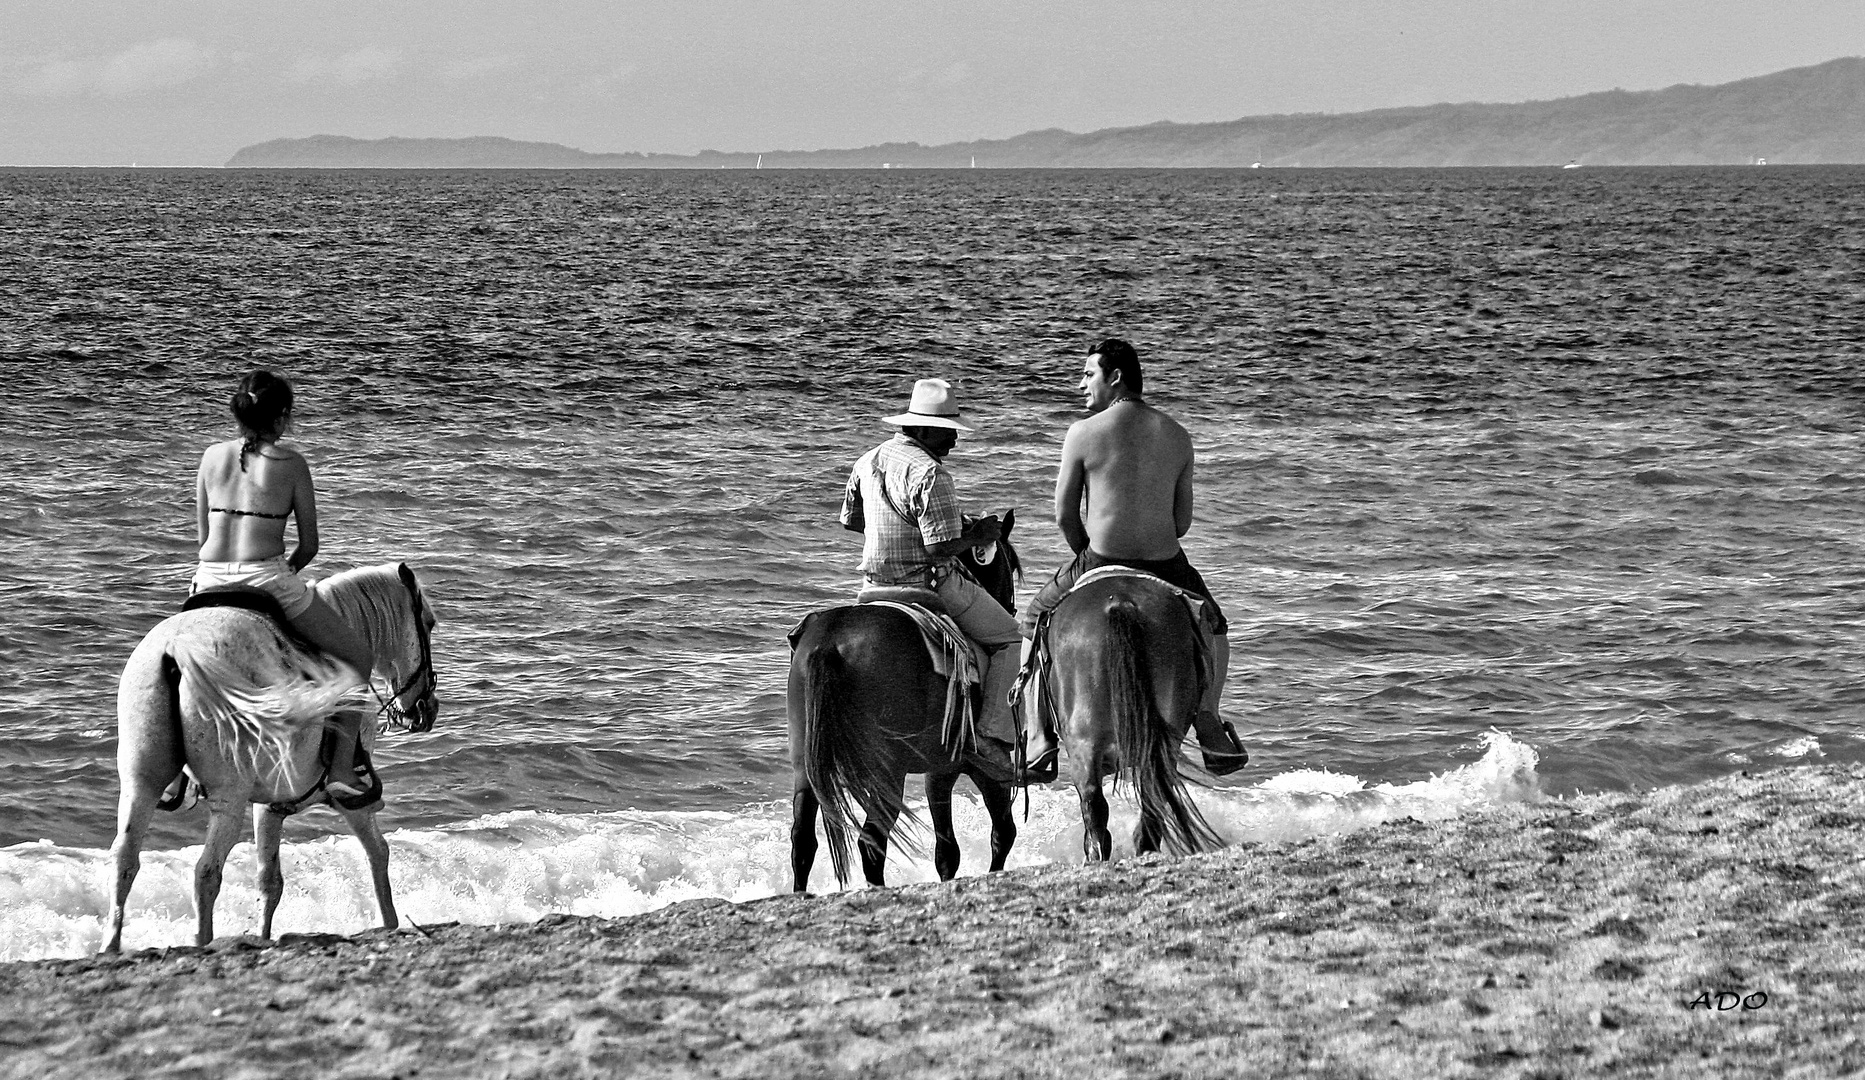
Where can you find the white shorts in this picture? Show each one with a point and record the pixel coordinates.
(273, 575)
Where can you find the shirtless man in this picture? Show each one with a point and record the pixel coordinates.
(1123, 498)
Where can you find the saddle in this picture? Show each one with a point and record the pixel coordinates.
(247, 598)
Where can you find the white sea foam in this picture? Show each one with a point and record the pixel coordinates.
(517, 867)
(1804, 747)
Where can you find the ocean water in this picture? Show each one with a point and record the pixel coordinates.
(1514, 483)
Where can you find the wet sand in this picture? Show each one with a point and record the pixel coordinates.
(1712, 930)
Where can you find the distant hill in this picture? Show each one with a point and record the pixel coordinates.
(1799, 116)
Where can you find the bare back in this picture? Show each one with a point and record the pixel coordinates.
(241, 514)
(1125, 484)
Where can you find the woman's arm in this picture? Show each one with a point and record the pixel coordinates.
(200, 502)
(304, 509)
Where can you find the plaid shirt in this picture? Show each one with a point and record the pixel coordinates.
(903, 501)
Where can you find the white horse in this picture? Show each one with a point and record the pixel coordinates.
(243, 704)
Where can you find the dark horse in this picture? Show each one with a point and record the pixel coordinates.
(1126, 674)
(866, 710)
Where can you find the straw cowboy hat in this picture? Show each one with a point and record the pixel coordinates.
(932, 406)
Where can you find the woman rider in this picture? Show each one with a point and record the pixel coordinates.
(246, 490)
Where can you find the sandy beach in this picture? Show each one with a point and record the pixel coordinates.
(1711, 930)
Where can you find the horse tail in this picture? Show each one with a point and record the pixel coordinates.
(1148, 752)
(254, 713)
(841, 765)
(171, 699)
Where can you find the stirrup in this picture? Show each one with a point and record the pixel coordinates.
(348, 795)
(189, 786)
(1043, 770)
(1225, 762)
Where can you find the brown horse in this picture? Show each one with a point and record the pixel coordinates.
(866, 710)
(1126, 675)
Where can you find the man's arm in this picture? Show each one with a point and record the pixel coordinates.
(982, 531)
(942, 528)
(852, 517)
(1182, 500)
(1071, 484)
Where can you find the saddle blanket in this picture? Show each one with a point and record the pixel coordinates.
(952, 653)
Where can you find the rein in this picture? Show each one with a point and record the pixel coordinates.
(391, 712)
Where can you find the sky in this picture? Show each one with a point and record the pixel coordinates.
(188, 82)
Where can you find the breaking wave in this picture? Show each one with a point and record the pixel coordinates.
(517, 867)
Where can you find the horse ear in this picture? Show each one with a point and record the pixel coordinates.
(406, 575)
(1010, 521)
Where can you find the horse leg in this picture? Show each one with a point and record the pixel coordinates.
(376, 847)
(1145, 833)
(1097, 844)
(223, 831)
(148, 757)
(135, 806)
(945, 840)
(998, 802)
(267, 828)
(802, 834)
(878, 827)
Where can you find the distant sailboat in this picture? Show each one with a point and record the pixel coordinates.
(974, 161)
(760, 163)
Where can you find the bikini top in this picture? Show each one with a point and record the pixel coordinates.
(247, 513)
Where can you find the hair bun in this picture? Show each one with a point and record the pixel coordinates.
(262, 405)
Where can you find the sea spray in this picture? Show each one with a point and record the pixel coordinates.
(516, 867)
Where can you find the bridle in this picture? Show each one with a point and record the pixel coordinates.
(426, 707)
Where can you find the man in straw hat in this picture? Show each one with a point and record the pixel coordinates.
(1124, 498)
(901, 499)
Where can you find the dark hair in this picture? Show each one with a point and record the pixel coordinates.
(1118, 355)
(263, 408)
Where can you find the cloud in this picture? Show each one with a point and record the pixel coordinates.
(477, 66)
(145, 66)
(607, 83)
(367, 64)
(955, 74)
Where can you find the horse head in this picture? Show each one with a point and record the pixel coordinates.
(424, 708)
(387, 605)
(996, 566)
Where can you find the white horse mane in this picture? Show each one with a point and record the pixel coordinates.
(370, 598)
(260, 696)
